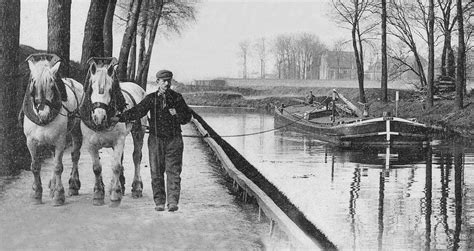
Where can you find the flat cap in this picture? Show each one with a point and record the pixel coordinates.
(164, 74)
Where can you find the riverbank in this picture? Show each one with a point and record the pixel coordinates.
(411, 103)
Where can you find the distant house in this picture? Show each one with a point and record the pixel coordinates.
(338, 65)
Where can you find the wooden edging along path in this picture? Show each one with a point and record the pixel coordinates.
(298, 238)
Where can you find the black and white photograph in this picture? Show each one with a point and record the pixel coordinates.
(237, 125)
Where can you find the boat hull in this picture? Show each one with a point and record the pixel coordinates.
(382, 131)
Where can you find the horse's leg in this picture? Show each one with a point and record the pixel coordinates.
(117, 169)
(138, 133)
(55, 184)
(37, 192)
(122, 177)
(74, 181)
(98, 198)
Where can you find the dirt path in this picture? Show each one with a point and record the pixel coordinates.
(208, 218)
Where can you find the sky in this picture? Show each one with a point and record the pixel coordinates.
(209, 47)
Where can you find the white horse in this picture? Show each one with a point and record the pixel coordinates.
(103, 92)
(48, 104)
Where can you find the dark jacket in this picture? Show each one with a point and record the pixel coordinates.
(166, 124)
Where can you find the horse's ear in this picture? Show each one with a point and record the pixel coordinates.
(110, 70)
(55, 67)
(31, 65)
(93, 68)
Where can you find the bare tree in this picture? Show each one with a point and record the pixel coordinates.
(59, 26)
(446, 22)
(403, 19)
(355, 14)
(431, 46)
(9, 89)
(108, 25)
(142, 32)
(244, 52)
(279, 51)
(132, 59)
(384, 79)
(142, 73)
(261, 52)
(297, 56)
(460, 68)
(170, 17)
(130, 31)
(305, 43)
(93, 43)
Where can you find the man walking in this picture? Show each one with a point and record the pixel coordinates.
(168, 112)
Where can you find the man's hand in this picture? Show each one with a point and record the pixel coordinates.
(172, 111)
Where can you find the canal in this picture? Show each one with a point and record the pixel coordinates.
(362, 198)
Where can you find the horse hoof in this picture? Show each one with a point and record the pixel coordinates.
(74, 185)
(36, 195)
(73, 192)
(137, 189)
(58, 197)
(58, 202)
(98, 202)
(36, 201)
(116, 195)
(115, 203)
(137, 194)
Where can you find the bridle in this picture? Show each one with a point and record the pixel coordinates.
(38, 104)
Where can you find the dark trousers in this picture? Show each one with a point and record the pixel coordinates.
(166, 155)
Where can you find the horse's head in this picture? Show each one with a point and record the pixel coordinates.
(101, 81)
(42, 87)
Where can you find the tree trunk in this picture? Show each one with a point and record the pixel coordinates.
(93, 43)
(108, 29)
(11, 138)
(445, 55)
(143, 32)
(132, 60)
(147, 58)
(59, 27)
(458, 102)
(384, 83)
(142, 73)
(359, 65)
(451, 65)
(245, 66)
(419, 65)
(431, 46)
(360, 69)
(127, 40)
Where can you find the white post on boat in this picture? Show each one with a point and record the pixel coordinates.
(396, 104)
(387, 157)
(333, 105)
(387, 129)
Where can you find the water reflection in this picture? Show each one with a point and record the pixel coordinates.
(381, 198)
